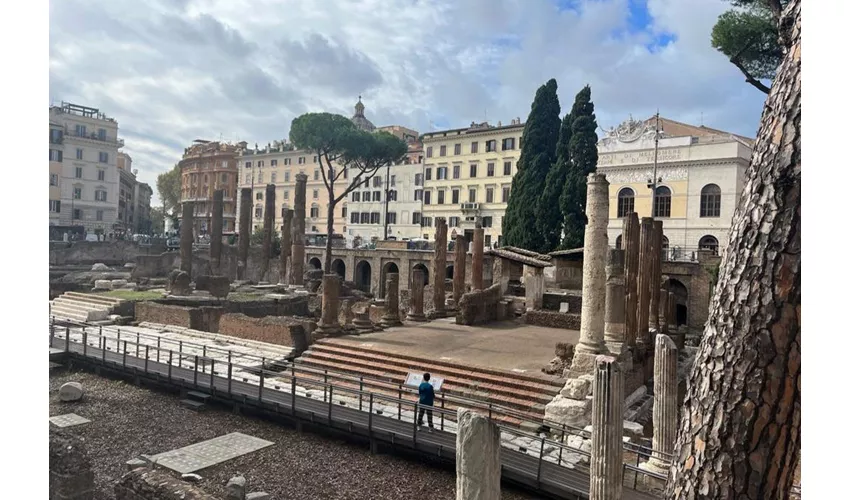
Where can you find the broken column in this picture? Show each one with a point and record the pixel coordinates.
(329, 323)
(644, 279)
(478, 463)
(245, 205)
(216, 230)
(298, 229)
(459, 276)
(655, 285)
(534, 288)
(268, 232)
(478, 257)
(631, 242)
(285, 246)
(606, 449)
(663, 305)
(187, 237)
(440, 246)
(417, 297)
(615, 302)
(391, 316)
(593, 277)
(665, 407)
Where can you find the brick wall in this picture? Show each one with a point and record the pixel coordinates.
(271, 329)
(146, 484)
(198, 318)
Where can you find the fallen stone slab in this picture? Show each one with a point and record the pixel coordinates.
(258, 495)
(102, 284)
(71, 391)
(135, 464)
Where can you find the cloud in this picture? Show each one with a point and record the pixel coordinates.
(171, 71)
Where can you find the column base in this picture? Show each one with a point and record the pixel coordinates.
(327, 331)
(390, 321)
(420, 318)
(583, 363)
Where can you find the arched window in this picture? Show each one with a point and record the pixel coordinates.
(708, 242)
(662, 202)
(314, 211)
(709, 201)
(625, 202)
(619, 242)
(665, 248)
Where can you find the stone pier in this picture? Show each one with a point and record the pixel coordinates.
(417, 297)
(606, 449)
(268, 232)
(187, 237)
(631, 242)
(644, 279)
(285, 246)
(478, 257)
(216, 230)
(478, 464)
(329, 323)
(592, 331)
(534, 288)
(665, 407)
(245, 205)
(440, 248)
(298, 228)
(655, 297)
(459, 276)
(391, 316)
(615, 302)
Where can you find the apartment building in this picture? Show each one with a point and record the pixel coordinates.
(206, 167)
(134, 199)
(56, 155)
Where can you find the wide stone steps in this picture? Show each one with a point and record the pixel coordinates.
(93, 298)
(84, 307)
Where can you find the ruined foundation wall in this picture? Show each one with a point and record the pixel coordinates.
(272, 329)
(553, 319)
(111, 253)
(145, 484)
(481, 306)
(198, 318)
(71, 477)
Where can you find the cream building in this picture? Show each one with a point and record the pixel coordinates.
(701, 175)
(467, 177)
(56, 156)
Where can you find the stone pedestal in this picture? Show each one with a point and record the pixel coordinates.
(459, 276)
(478, 258)
(417, 297)
(631, 243)
(534, 287)
(363, 323)
(216, 230)
(615, 302)
(268, 231)
(606, 449)
(285, 246)
(391, 316)
(298, 227)
(644, 279)
(187, 237)
(440, 248)
(665, 407)
(478, 460)
(593, 279)
(245, 205)
(329, 324)
(655, 285)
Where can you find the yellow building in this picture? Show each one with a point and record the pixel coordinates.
(467, 177)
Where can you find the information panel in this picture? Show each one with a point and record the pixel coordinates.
(415, 378)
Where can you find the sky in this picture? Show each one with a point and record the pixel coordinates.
(172, 71)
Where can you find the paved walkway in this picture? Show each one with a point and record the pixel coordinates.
(507, 345)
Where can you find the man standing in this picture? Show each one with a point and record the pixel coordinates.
(426, 401)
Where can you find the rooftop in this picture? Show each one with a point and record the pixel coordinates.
(83, 111)
(476, 128)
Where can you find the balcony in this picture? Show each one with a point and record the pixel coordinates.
(470, 208)
(115, 141)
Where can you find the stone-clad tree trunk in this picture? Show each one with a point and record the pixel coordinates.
(739, 434)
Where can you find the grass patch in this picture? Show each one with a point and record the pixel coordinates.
(132, 295)
(245, 297)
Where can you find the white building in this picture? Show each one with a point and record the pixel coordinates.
(86, 143)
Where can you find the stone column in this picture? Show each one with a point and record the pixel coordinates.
(298, 229)
(534, 287)
(655, 296)
(187, 237)
(593, 276)
(478, 461)
(268, 231)
(644, 279)
(665, 407)
(663, 305)
(417, 297)
(615, 302)
(606, 449)
(439, 266)
(504, 274)
(391, 316)
(285, 246)
(631, 242)
(478, 257)
(459, 276)
(216, 230)
(329, 323)
(245, 206)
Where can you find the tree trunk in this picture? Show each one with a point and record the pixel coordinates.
(739, 432)
(328, 254)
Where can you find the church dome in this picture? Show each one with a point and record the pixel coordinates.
(360, 119)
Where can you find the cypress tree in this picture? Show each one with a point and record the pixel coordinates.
(583, 157)
(550, 220)
(539, 140)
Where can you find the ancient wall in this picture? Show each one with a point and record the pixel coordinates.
(205, 318)
(482, 306)
(146, 484)
(552, 301)
(111, 253)
(271, 329)
(554, 319)
(71, 477)
(568, 273)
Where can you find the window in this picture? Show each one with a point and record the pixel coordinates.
(355, 196)
(625, 202)
(429, 152)
(491, 145)
(392, 195)
(709, 201)
(392, 180)
(708, 242)
(286, 195)
(103, 157)
(487, 221)
(454, 221)
(417, 195)
(55, 155)
(427, 174)
(80, 130)
(99, 215)
(55, 136)
(367, 196)
(441, 197)
(78, 172)
(224, 178)
(417, 180)
(100, 195)
(258, 212)
(287, 161)
(472, 195)
(456, 172)
(300, 160)
(473, 170)
(261, 164)
(491, 169)
(426, 222)
(519, 143)
(54, 179)
(355, 217)
(376, 218)
(286, 177)
(391, 218)
(618, 243)
(506, 194)
(455, 196)
(259, 195)
(344, 212)
(274, 177)
(260, 178)
(315, 175)
(507, 144)
(247, 164)
(443, 150)
(78, 193)
(55, 206)
(315, 194)
(662, 201)
(417, 217)
(427, 197)
(376, 196)
(457, 149)
(274, 163)
(507, 168)
(79, 153)
(315, 159)
(101, 134)
(442, 173)
(378, 181)
(78, 213)
(314, 212)
(489, 195)
(473, 148)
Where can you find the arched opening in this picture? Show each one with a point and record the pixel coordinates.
(363, 276)
(665, 248)
(663, 198)
(389, 267)
(625, 202)
(708, 242)
(338, 266)
(424, 269)
(618, 243)
(709, 201)
(450, 271)
(680, 301)
(315, 263)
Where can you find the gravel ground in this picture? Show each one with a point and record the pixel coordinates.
(127, 421)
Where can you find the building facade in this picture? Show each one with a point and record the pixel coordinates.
(701, 176)
(84, 148)
(134, 199)
(207, 166)
(467, 178)
(142, 198)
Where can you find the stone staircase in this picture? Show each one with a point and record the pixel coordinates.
(526, 394)
(85, 307)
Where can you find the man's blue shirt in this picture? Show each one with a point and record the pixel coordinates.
(426, 394)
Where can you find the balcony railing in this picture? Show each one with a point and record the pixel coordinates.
(94, 137)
